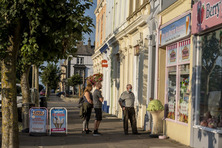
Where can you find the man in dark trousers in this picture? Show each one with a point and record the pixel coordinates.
(97, 104)
(126, 101)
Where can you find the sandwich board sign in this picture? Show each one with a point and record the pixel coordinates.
(58, 120)
(38, 120)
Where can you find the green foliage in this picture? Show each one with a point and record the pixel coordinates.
(51, 76)
(46, 30)
(155, 105)
(75, 80)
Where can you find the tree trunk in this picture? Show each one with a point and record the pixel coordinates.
(73, 90)
(26, 97)
(33, 76)
(9, 92)
(37, 85)
(47, 90)
(79, 91)
(9, 103)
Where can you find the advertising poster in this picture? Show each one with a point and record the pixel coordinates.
(184, 55)
(175, 31)
(58, 120)
(172, 54)
(38, 120)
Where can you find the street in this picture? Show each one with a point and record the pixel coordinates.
(111, 129)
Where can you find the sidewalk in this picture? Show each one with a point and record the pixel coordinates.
(111, 128)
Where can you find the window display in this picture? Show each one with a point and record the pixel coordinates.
(178, 78)
(171, 92)
(184, 93)
(211, 81)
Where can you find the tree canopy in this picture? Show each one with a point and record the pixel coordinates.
(75, 80)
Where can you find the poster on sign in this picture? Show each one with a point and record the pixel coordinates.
(58, 120)
(38, 120)
(172, 54)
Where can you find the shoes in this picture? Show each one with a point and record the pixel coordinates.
(85, 132)
(89, 131)
(96, 133)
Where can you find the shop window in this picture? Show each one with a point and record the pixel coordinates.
(178, 73)
(210, 100)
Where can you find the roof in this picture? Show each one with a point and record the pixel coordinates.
(86, 50)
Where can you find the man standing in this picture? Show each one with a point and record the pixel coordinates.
(97, 104)
(126, 101)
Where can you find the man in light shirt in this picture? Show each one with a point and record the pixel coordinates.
(126, 101)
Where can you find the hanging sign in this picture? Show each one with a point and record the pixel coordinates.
(206, 14)
(104, 63)
(58, 120)
(175, 31)
(172, 54)
(184, 49)
(38, 119)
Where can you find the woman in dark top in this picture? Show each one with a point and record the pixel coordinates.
(87, 108)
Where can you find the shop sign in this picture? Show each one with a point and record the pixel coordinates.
(104, 63)
(58, 120)
(206, 14)
(175, 31)
(38, 118)
(171, 106)
(184, 55)
(172, 54)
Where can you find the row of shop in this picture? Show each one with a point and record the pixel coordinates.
(175, 55)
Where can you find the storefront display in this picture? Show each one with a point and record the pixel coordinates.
(211, 80)
(178, 77)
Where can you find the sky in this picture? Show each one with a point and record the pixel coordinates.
(90, 13)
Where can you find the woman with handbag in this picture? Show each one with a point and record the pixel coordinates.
(87, 108)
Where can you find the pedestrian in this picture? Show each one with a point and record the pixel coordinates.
(126, 102)
(87, 108)
(97, 104)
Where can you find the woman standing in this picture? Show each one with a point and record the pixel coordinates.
(87, 108)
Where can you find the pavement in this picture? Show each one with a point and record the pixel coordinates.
(111, 129)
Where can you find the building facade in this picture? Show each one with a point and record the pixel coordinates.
(81, 64)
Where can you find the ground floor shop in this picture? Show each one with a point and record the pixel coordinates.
(175, 72)
(207, 110)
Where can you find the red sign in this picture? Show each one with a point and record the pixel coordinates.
(104, 63)
(206, 14)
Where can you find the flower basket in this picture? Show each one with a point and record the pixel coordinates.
(94, 79)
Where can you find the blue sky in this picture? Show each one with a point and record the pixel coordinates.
(90, 13)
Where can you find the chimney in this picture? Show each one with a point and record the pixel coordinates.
(80, 43)
(89, 43)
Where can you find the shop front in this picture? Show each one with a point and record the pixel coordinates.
(175, 45)
(207, 31)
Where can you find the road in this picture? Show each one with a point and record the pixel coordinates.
(111, 128)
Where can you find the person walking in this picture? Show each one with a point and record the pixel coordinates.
(87, 108)
(126, 102)
(97, 104)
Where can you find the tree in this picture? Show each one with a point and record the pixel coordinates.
(50, 77)
(38, 31)
(74, 81)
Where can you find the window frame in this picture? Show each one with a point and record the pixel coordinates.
(177, 64)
